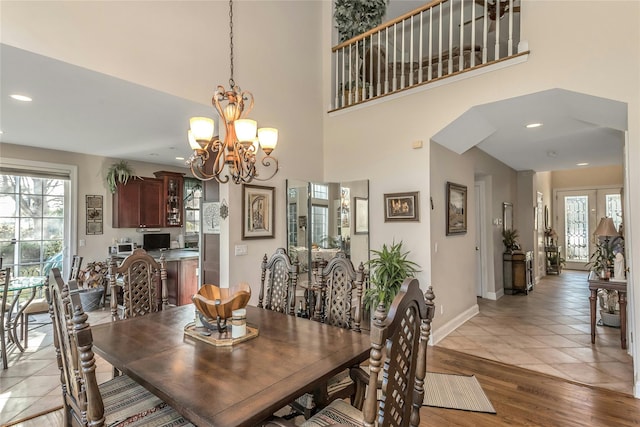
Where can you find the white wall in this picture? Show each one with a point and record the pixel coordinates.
(566, 53)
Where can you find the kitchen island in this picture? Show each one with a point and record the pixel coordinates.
(182, 273)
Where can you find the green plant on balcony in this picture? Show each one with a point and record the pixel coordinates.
(355, 17)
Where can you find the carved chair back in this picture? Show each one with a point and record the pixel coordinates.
(278, 282)
(82, 402)
(399, 350)
(76, 263)
(140, 277)
(341, 293)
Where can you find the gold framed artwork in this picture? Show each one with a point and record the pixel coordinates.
(258, 211)
(95, 214)
(401, 207)
(456, 209)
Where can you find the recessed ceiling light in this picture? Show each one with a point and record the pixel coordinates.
(1, 132)
(179, 158)
(582, 164)
(19, 97)
(533, 125)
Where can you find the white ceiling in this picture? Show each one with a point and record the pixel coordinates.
(78, 110)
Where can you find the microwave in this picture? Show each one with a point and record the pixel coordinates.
(124, 249)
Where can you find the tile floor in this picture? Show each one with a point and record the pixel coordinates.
(546, 331)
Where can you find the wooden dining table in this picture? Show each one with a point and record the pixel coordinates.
(238, 385)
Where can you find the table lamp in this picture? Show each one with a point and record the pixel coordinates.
(606, 229)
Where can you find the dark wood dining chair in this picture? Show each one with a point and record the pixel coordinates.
(139, 276)
(120, 400)
(391, 392)
(5, 276)
(278, 282)
(339, 303)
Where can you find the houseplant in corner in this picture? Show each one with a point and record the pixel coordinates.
(389, 267)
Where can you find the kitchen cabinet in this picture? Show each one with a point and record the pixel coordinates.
(172, 197)
(138, 203)
(182, 280)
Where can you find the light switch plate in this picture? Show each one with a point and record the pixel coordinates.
(241, 250)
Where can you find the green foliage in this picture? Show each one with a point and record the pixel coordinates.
(355, 17)
(602, 258)
(389, 267)
(510, 240)
(119, 172)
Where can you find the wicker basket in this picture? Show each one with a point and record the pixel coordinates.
(610, 319)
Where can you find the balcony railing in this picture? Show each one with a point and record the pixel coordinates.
(438, 40)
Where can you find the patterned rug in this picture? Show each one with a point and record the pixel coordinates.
(455, 392)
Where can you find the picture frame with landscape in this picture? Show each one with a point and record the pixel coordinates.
(258, 212)
(456, 208)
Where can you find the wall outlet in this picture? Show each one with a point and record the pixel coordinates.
(241, 250)
(441, 309)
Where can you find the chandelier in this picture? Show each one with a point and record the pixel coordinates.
(240, 147)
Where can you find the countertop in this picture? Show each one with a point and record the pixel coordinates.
(176, 254)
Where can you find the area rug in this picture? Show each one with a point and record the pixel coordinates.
(455, 392)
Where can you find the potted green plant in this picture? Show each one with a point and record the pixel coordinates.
(119, 172)
(510, 240)
(355, 17)
(601, 260)
(389, 267)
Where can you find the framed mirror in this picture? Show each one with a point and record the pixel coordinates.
(507, 216)
(324, 218)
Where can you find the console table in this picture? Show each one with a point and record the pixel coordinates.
(596, 283)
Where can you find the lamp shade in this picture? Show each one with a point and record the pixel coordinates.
(245, 129)
(202, 128)
(192, 141)
(606, 228)
(268, 139)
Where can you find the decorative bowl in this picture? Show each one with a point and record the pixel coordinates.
(216, 303)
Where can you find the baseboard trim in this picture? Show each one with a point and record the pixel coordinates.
(440, 333)
(494, 296)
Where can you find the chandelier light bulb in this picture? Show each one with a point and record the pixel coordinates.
(202, 128)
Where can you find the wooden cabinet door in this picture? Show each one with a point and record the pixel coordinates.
(151, 203)
(126, 205)
(188, 281)
(138, 204)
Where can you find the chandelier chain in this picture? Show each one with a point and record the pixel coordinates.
(232, 83)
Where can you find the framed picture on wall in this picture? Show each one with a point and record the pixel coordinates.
(258, 210)
(401, 207)
(456, 208)
(362, 215)
(95, 215)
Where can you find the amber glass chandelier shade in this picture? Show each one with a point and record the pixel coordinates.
(245, 129)
(201, 128)
(268, 138)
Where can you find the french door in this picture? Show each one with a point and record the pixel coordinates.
(576, 217)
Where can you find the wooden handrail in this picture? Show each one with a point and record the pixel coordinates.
(387, 24)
